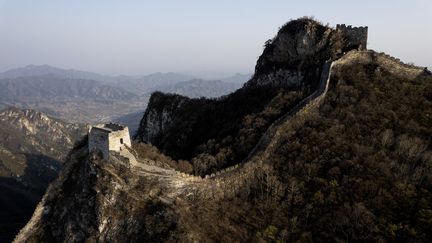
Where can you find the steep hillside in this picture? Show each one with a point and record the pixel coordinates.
(217, 133)
(359, 168)
(32, 149)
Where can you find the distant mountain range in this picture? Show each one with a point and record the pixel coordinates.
(80, 96)
(36, 70)
(200, 88)
(237, 78)
(148, 83)
(135, 84)
(50, 86)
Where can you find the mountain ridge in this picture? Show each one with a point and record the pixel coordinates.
(50, 86)
(37, 70)
(70, 95)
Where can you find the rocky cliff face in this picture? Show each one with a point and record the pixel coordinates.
(295, 55)
(37, 132)
(32, 149)
(157, 119)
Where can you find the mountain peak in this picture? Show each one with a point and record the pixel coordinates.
(299, 50)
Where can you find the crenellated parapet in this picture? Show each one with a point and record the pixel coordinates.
(356, 36)
(386, 62)
(400, 62)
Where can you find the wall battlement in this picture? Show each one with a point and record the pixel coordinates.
(356, 36)
(108, 137)
(400, 62)
(391, 64)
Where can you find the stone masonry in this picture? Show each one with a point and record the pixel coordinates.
(356, 36)
(108, 137)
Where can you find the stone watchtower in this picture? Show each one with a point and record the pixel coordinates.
(355, 36)
(108, 137)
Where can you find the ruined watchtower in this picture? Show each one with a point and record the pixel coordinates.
(108, 137)
(356, 36)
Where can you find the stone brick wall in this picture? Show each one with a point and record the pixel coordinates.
(104, 140)
(356, 36)
(98, 141)
(115, 138)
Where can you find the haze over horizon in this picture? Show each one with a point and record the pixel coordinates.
(194, 37)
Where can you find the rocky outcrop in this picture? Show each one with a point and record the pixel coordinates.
(159, 117)
(294, 57)
(37, 132)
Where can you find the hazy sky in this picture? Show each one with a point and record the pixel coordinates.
(223, 36)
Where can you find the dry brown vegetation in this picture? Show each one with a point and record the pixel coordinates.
(357, 170)
(147, 151)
